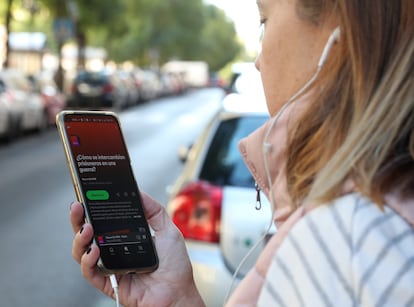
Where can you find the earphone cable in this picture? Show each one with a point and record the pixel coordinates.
(114, 284)
(334, 37)
(266, 149)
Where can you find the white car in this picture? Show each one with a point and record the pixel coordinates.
(5, 116)
(10, 114)
(27, 104)
(213, 201)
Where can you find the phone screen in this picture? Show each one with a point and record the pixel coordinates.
(109, 192)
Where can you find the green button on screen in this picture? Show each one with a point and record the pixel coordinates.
(97, 195)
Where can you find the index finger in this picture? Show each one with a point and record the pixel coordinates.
(77, 216)
(155, 213)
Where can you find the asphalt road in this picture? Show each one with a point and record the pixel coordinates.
(36, 266)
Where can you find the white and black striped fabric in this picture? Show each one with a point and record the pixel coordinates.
(348, 253)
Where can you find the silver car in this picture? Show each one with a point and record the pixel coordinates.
(213, 201)
(6, 115)
(27, 105)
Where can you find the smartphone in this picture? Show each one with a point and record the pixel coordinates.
(104, 183)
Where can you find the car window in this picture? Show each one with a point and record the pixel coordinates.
(91, 78)
(223, 164)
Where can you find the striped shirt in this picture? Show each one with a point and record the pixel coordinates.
(348, 253)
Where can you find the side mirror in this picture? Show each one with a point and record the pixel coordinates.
(183, 153)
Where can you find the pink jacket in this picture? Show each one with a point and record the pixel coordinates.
(251, 148)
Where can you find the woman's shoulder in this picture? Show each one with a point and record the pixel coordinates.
(349, 250)
(355, 218)
(364, 233)
(359, 221)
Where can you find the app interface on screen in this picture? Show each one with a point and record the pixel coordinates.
(108, 185)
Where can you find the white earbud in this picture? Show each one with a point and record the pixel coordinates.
(333, 38)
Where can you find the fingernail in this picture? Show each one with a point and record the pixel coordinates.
(70, 206)
(89, 250)
(80, 230)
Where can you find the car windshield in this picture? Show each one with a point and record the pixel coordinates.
(224, 164)
(91, 77)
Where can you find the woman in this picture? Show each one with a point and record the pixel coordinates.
(336, 161)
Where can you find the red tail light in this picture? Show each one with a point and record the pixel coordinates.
(10, 96)
(73, 88)
(197, 211)
(107, 88)
(138, 83)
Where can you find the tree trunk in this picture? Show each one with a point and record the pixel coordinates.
(60, 74)
(81, 40)
(8, 21)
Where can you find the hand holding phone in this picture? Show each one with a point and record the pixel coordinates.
(105, 184)
(171, 284)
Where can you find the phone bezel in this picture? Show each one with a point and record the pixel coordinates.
(60, 123)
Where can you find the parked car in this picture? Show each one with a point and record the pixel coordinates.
(130, 85)
(167, 85)
(245, 87)
(213, 200)
(149, 84)
(215, 81)
(53, 99)
(7, 117)
(97, 90)
(27, 105)
(172, 84)
(245, 79)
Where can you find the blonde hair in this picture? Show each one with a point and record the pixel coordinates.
(360, 124)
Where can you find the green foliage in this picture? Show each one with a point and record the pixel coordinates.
(220, 45)
(144, 31)
(159, 30)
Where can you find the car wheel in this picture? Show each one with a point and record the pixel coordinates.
(43, 122)
(14, 130)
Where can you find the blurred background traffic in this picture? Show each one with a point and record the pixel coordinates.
(57, 54)
(181, 76)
